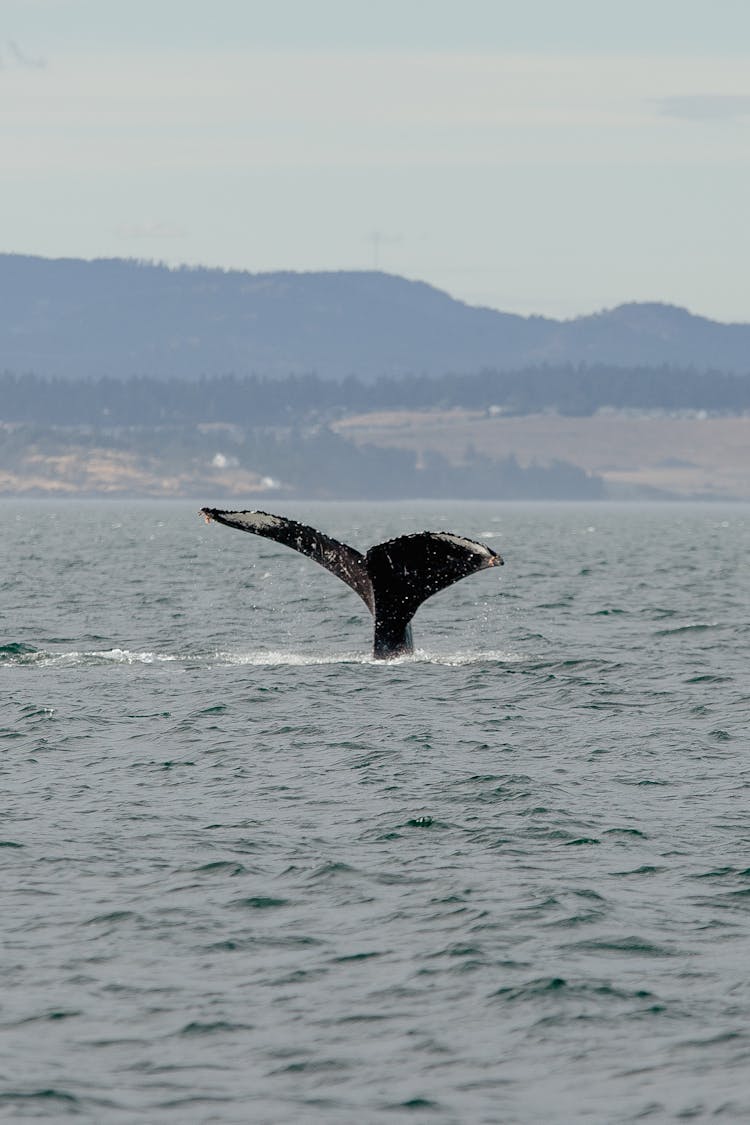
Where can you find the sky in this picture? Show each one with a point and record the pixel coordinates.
(551, 157)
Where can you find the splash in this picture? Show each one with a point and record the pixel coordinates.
(27, 655)
(419, 656)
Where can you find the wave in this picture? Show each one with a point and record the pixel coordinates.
(17, 648)
(691, 627)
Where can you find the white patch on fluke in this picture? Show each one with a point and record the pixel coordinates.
(255, 519)
(466, 544)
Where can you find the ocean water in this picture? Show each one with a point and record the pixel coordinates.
(251, 875)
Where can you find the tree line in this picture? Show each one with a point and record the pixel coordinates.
(298, 399)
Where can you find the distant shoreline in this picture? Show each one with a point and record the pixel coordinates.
(391, 456)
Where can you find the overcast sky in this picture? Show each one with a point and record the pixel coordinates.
(538, 156)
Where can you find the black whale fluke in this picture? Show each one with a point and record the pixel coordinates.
(392, 579)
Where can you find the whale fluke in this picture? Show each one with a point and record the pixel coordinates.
(392, 579)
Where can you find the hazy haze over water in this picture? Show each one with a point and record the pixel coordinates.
(250, 874)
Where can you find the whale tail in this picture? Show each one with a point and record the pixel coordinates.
(393, 578)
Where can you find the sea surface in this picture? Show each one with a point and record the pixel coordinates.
(248, 874)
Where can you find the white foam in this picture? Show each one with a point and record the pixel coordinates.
(287, 659)
(461, 659)
(105, 656)
(269, 659)
(420, 656)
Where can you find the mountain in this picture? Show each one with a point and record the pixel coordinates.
(121, 318)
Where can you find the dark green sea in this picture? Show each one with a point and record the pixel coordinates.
(250, 875)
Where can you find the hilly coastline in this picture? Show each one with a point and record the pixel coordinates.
(122, 378)
(119, 318)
